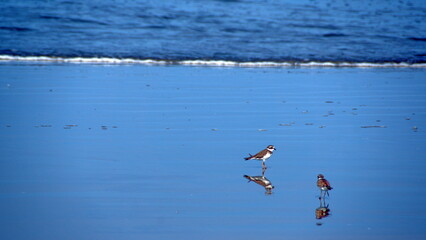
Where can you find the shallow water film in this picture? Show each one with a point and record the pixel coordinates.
(139, 152)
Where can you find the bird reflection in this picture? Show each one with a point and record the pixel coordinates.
(262, 180)
(322, 211)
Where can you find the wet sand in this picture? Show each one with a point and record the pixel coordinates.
(156, 152)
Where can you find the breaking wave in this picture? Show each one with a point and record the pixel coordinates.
(218, 63)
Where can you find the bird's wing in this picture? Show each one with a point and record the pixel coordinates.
(323, 183)
(327, 184)
(261, 154)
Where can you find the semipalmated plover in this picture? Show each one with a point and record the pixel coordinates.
(323, 185)
(262, 155)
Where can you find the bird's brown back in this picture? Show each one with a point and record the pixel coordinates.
(261, 153)
(323, 183)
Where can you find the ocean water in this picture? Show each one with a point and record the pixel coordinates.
(215, 32)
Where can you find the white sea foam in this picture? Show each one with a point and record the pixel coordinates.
(220, 63)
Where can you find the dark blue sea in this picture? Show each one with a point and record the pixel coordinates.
(221, 32)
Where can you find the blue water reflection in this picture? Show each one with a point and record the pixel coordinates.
(132, 152)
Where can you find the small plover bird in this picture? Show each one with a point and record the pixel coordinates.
(323, 185)
(262, 155)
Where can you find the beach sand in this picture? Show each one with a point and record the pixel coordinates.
(156, 152)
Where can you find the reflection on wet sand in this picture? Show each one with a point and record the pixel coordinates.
(262, 180)
(322, 211)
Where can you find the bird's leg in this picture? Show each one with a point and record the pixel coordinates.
(320, 197)
(263, 165)
(327, 193)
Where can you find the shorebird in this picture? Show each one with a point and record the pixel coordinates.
(323, 185)
(262, 155)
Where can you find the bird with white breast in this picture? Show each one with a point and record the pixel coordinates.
(262, 155)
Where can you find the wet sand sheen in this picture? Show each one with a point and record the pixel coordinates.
(131, 152)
